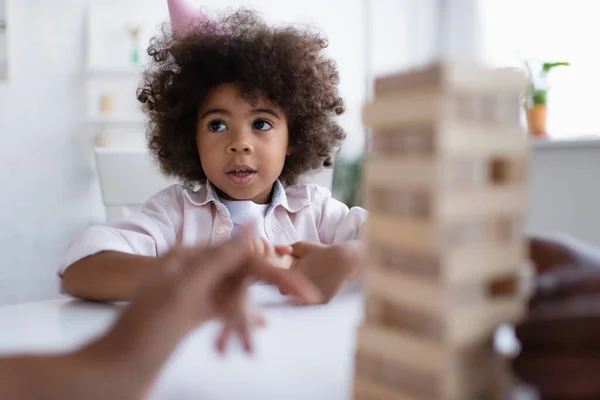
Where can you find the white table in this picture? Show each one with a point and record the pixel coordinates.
(304, 352)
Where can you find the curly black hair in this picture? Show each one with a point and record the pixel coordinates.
(286, 64)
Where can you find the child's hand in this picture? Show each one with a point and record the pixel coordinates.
(327, 267)
(278, 256)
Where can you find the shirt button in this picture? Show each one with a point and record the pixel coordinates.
(220, 230)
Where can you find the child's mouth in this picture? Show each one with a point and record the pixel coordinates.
(241, 177)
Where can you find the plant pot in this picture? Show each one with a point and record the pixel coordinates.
(536, 120)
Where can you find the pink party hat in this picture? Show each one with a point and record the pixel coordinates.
(185, 19)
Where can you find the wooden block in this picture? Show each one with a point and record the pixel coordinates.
(507, 201)
(427, 266)
(417, 294)
(410, 233)
(483, 262)
(461, 265)
(480, 203)
(420, 107)
(494, 110)
(474, 139)
(390, 375)
(422, 355)
(429, 76)
(474, 77)
(365, 390)
(470, 324)
(411, 203)
(454, 374)
(452, 74)
(455, 315)
(394, 315)
(408, 171)
(444, 174)
(421, 235)
(405, 140)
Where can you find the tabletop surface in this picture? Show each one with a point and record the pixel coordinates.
(304, 352)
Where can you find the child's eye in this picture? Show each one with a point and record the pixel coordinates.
(217, 126)
(261, 125)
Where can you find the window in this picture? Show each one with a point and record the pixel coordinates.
(540, 31)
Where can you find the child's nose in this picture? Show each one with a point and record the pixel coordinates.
(241, 146)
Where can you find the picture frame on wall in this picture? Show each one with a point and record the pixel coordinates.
(3, 42)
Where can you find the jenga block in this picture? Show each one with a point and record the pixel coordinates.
(413, 203)
(470, 139)
(422, 107)
(481, 320)
(492, 259)
(424, 77)
(479, 203)
(366, 390)
(447, 206)
(405, 140)
(451, 75)
(390, 375)
(411, 233)
(400, 289)
(407, 261)
(454, 316)
(408, 319)
(406, 172)
(450, 174)
(452, 266)
(420, 354)
(434, 236)
(452, 375)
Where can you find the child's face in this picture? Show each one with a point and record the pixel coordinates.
(242, 148)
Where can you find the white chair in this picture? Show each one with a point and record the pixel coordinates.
(128, 178)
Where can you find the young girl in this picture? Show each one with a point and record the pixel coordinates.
(240, 110)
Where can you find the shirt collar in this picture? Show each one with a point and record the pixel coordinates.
(204, 194)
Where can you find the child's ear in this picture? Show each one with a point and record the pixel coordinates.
(290, 151)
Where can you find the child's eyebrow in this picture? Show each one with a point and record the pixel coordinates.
(215, 111)
(267, 111)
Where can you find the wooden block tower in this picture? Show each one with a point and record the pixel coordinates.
(446, 189)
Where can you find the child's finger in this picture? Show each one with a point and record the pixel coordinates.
(284, 250)
(288, 281)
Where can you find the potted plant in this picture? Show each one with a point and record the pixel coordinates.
(534, 101)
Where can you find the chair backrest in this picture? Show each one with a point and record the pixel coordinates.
(128, 178)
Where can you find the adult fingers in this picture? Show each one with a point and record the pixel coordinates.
(219, 262)
(225, 336)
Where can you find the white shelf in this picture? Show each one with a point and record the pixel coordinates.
(125, 72)
(116, 120)
(582, 142)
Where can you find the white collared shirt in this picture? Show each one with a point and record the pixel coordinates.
(179, 215)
